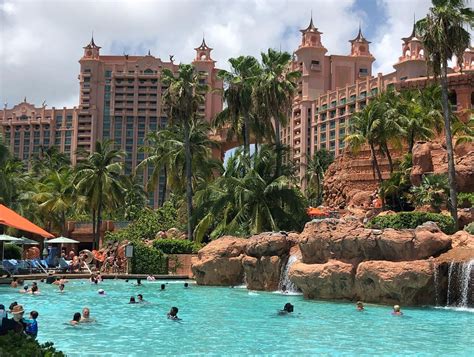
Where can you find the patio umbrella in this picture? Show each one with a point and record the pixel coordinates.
(6, 238)
(61, 240)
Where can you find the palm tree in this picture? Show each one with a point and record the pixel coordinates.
(182, 98)
(56, 197)
(167, 154)
(49, 159)
(432, 191)
(99, 179)
(249, 199)
(316, 166)
(464, 132)
(445, 33)
(239, 82)
(273, 95)
(135, 198)
(364, 127)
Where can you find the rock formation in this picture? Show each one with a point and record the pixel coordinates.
(339, 259)
(431, 157)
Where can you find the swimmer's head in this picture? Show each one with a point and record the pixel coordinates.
(140, 297)
(163, 286)
(396, 308)
(288, 307)
(101, 292)
(25, 287)
(132, 300)
(186, 285)
(174, 311)
(360, 304)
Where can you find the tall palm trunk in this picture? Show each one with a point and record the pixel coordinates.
(453, 204)
(375, 163)
(389, 158)
(189, 186)
(99, 223)
(163, 193)
(93, 229)
(279, 158)
(246, 130)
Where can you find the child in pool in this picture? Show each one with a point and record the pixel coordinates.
(396, 311)
(32, 324)
(360, 306)
(173, 314)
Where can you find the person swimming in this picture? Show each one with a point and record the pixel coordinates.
(25, 290)
(287, 309)
(360, 306)
(173, 314)
(140, 298)
(132, 300)
(163, 287)
(186, 285)
(101, 292)
(34, 290)
(61, 288)
(396, 311)
(75, 319)
(139, 282)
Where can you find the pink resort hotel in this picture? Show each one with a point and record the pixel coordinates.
(120, 99)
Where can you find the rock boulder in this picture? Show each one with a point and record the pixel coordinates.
(267, 244)
(332, 280)
(220, 262)
(407, 283)
(263, 273)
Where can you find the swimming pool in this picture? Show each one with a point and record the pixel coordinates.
(225, 321)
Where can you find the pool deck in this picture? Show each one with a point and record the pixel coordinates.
(86, 276)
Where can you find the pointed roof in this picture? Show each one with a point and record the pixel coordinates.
(92, 44)
(311, 27)
(203, 45)
(360, 37)
(412, 36)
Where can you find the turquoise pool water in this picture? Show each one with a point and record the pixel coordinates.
(225, 321)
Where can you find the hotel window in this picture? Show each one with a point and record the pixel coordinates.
(323, 116)
(374, 91)
(352, 108)
(87, 79)
(323, 137)
(342, 132)
(322, 127)
(363, 95)
(332, 124)
(332, 145)
(342, 111)
(332, 113)
(363, 70)
(342, 144)
(342, 101)
(333, 104)
(108, 74)
(352, 98)
(87, 70)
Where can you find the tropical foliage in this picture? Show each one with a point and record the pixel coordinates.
(315, 167)
(249, 198)
(445, 33)
(411, 220)
(433, 191)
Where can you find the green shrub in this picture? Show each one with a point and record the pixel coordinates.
(148, 260)
(465, 199)
(12, 251)
(176, 246)
(18, 345)
(404, 220)
(469, 228)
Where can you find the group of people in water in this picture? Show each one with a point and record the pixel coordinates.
(29, 326)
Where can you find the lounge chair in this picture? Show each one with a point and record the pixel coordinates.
(63, 265)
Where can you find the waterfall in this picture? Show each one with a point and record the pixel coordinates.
(460, 290)
(436, 283)
(465, 280)
(450, 273)
(285, 284)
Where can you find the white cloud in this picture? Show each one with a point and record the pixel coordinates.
(41, 41)
(387, 45)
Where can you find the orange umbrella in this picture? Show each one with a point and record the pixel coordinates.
(13, 219)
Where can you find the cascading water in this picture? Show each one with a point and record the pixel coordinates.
(460, 284)
(285, 284)
(436, 283)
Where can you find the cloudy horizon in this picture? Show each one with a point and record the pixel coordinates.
(41, 41)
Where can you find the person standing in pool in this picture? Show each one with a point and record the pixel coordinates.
(139, 282)
(75, 319)
(61, 288)
(360, 306)
(396, 311)
(132, 300)
(31, 324)
(287, 309)
(86, 316)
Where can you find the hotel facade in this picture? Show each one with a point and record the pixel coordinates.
(332, 87)
(120, 99)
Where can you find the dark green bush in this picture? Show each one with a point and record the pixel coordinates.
(404, 220)
(176, 246)
(465, 199)
(12, 251)
(18, 345)
(469, 228)
(148, 260)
